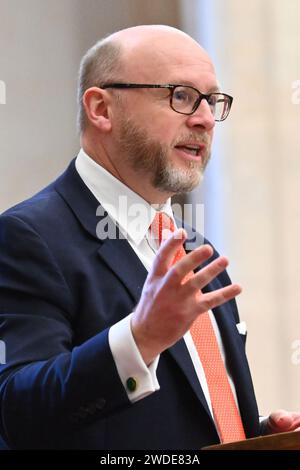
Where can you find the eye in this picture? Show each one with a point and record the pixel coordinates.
(181, 95)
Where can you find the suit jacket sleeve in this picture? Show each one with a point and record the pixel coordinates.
(46, 384)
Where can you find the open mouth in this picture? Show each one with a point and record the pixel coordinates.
(190, 149)
(193, 150)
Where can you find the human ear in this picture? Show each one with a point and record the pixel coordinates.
(96, 103)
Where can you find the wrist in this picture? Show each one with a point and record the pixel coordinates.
(142, 342)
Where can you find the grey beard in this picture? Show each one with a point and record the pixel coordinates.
(148, 156)
(176, 180)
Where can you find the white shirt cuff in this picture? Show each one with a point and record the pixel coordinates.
(139, 380)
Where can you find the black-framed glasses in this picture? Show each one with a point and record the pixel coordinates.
(186, 99)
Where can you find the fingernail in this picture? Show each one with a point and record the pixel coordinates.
(180, 234)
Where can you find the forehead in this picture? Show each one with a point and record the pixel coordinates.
(167, 60)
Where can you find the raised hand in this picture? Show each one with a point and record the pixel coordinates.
(169, 304)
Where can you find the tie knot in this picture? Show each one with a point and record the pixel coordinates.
(161, 223)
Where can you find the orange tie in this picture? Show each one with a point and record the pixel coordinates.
(226, 413)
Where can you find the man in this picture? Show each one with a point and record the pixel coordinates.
(100, 355)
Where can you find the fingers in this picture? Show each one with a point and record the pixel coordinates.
(167, 252)
(218, 297)
(282, 420)
(187, 263)
(296, 421)
(207, 274)
(192, 261)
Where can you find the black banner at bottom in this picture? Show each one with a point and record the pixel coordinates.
(139, 459)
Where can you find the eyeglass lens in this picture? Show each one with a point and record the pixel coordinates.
(186, 100)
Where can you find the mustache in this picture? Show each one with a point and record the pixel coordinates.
(192, 137)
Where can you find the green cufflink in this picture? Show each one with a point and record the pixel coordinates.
(131, 384)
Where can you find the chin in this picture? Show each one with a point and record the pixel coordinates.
(178, 181)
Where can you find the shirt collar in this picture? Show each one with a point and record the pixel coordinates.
(127, 209)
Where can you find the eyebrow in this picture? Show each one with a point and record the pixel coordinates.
(214, 89)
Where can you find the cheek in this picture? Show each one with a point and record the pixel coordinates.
(165, 131)
(161, 125)
(158, 131)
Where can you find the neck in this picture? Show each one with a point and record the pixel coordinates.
(100, 156)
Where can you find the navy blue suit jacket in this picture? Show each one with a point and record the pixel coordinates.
(61, 288)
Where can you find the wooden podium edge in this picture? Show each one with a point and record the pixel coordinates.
(281, 441)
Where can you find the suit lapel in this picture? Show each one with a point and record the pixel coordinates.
(79, 198)
(115, 252)
(180, 354)
(125, 264)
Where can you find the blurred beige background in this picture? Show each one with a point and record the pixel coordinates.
(251, 191)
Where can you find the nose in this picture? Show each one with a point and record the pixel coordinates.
(202, 118)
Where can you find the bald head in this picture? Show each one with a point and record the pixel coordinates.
(153, 48)
(150, 36)
(147, 53)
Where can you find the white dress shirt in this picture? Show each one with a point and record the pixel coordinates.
(121, 203)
